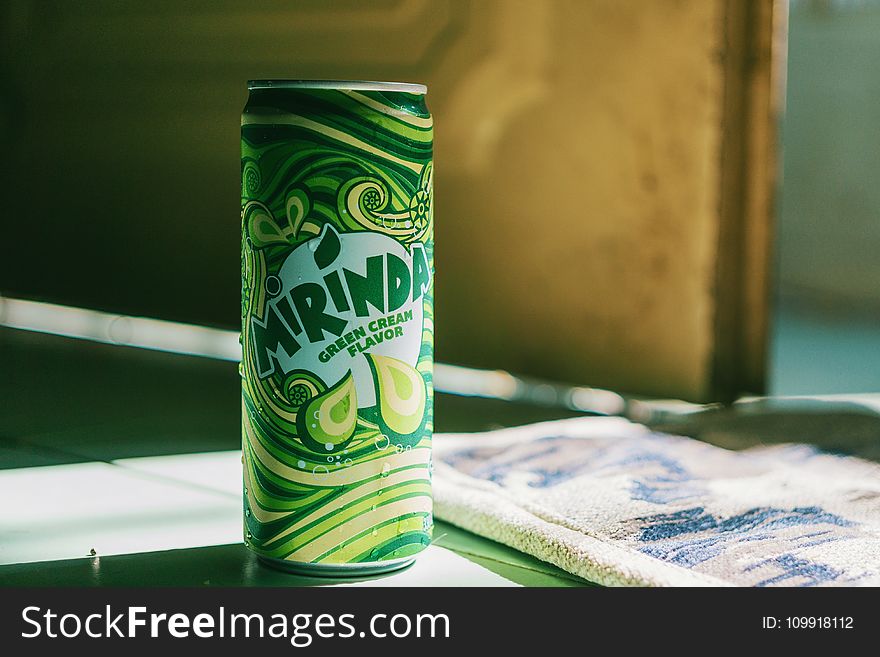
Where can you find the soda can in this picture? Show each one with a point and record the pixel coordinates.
(337, 331)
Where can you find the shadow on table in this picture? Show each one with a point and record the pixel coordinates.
(234, 565)
(839, 427)
(219, 565)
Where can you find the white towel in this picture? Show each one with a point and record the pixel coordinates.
(617, 504)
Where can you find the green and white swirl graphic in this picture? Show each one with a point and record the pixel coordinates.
(337, 324)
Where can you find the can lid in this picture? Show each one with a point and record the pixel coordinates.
(353, 85)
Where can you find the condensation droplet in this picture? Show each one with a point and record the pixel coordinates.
(386, 468)
(328, 447)
(300, 464)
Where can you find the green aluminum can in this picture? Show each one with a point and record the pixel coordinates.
(337, 268)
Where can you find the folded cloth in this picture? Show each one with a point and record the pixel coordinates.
(617, 504)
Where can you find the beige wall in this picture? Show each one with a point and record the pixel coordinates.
(577, 162)
(579, 159)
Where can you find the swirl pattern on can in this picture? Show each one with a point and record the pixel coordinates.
(337, 269)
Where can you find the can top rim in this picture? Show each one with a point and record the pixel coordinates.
(349, 85)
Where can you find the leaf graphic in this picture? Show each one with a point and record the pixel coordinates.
(328, 248)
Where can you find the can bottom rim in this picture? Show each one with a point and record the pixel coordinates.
(337, 570)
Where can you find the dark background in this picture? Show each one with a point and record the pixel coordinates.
(576, 148)
(119, 128)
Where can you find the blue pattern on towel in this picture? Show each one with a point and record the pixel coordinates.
(794, 568)
(691, 536)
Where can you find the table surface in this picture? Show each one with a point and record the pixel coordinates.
(122, 468)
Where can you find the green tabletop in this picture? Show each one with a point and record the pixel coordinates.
(119, 469)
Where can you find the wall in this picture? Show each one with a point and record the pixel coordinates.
(579, 150)
(830, 218)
